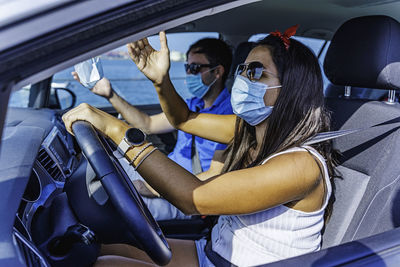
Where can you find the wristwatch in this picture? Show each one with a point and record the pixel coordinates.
(133, 137)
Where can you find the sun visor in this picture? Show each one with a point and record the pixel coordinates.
(364, 52)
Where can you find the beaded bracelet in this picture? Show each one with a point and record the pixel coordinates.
(145, 157)
(140, 152)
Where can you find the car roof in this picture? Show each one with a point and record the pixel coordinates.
(317, 18)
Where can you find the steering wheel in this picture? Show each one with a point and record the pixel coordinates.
(124, 198)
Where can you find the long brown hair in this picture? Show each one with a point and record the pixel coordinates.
(299, 112)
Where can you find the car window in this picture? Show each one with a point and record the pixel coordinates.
(321, 62)
(127, 80)
(314, 44)
(20, 98)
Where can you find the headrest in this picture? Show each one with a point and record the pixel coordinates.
(365, 52)
(239, 56)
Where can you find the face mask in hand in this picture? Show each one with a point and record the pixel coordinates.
(247, 100)
(90, 72)
(196, 86)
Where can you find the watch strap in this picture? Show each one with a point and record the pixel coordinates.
(122, 148)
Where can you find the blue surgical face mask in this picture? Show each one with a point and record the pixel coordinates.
(247, 100)
(196, 86)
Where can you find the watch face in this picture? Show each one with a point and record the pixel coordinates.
(135, 136)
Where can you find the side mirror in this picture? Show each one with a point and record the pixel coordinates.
(65, 99)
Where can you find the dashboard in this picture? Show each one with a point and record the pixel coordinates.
(57, 211)
(38, 156)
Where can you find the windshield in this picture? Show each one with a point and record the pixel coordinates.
(124, 76)
(130, 83)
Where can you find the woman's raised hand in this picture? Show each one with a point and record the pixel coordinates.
(154, 64)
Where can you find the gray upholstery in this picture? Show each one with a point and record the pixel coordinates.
(369, 168)
(347, 197)
(368, 194)
(364, 52)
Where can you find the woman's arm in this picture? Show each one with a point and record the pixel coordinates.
(283, 179)
(155, 66)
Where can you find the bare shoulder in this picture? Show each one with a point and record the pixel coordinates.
(300, 166)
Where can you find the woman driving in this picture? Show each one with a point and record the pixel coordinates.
(272, 191)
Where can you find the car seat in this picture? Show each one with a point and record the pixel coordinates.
(239, 56)
(365, 53)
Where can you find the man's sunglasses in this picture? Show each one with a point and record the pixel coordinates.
(194, 68)
(254, 70)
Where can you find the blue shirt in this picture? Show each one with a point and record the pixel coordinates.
(183, 148)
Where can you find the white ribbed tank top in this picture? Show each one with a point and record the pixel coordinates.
(273, 234)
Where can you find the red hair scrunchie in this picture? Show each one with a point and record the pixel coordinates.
(286, 35)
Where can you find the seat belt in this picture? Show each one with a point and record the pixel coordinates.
(196, 165)
(325, 136)
(320, 137)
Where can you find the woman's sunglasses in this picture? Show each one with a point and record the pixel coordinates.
(254, 70)
(194, 68)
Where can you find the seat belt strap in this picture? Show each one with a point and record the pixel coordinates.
(324, 136)
(196, 165)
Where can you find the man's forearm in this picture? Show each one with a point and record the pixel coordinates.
(131, 114)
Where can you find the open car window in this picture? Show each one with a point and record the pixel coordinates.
(20, 98)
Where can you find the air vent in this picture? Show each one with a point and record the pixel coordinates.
(49, 164)
(29, 253)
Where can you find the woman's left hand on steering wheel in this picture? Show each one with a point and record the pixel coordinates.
(107, 124)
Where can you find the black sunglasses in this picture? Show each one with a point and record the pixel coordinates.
(194, 68)
(254, 70)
